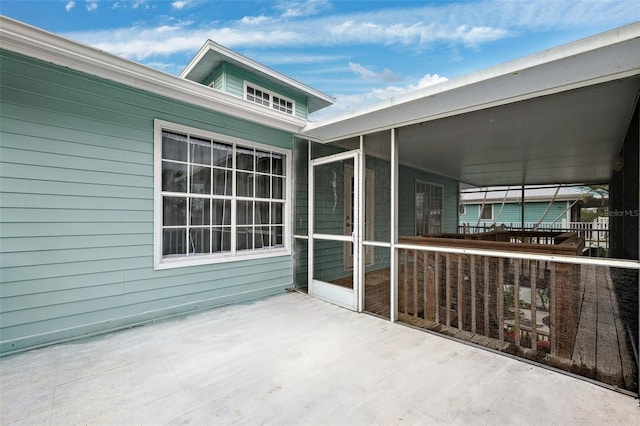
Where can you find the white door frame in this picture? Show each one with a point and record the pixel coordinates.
(348, 298)
(368, 213)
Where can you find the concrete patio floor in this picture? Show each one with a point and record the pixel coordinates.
(290, 359)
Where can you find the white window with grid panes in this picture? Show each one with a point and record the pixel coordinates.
(269, 99)
(428, 208)
(217, 198)
(486, 212)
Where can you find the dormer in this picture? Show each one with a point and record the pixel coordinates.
(229, 72)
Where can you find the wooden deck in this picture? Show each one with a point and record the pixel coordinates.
(602, 349)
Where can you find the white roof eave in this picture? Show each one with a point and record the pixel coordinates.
(604, 57)
(33, 42)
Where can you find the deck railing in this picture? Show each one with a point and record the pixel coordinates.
(595, 234)
(541, 310)
(526, 303)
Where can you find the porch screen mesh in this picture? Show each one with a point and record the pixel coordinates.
(581, 318)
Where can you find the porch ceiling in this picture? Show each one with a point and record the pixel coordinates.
(573, 136)
(559, 116)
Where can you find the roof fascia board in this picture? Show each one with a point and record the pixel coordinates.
(195, 60)
(34, 42)
(371, 119)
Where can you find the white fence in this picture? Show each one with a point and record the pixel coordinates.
(596, 233)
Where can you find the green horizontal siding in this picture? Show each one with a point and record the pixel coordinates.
(76, 209)
(31, 244)
(70, 323)
(407, 177)
(233, 84)
(328, 260)
(470, 213)
(70, 303)
(381, 198)
(52, 229)
(218, 78)
(41, 186)
(511, 212)
(301, 259)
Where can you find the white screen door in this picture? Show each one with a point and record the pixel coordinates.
(328, 278)
(368, 214)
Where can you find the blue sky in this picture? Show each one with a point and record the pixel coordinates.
(356, 51)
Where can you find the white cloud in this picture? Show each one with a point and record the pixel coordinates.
(140, 43)
(364, 73)
(91, 5)
(140, 3)
(345, 103)
(386, 75)
(254, 20)
(416, 28)
(166, 66)
(478, 35)
(296, 9)
(179, 5)
(429, 80)
(70, 6)
(282, 58)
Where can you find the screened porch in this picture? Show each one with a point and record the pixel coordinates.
(377, 197)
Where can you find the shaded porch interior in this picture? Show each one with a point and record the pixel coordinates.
(580, 317)
(575, 317)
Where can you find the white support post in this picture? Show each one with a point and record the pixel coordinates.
(310, 222)
(393, 306)
(361, 193)
(522, 208)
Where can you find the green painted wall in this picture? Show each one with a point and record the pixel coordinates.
(217, 78)
(511, 213)
(76, 209)
(381, 198)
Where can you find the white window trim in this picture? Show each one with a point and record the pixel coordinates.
(271, 95)
(480, 208)
(415, 190)
(176, 262)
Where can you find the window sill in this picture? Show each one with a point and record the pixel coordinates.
(180, 262)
